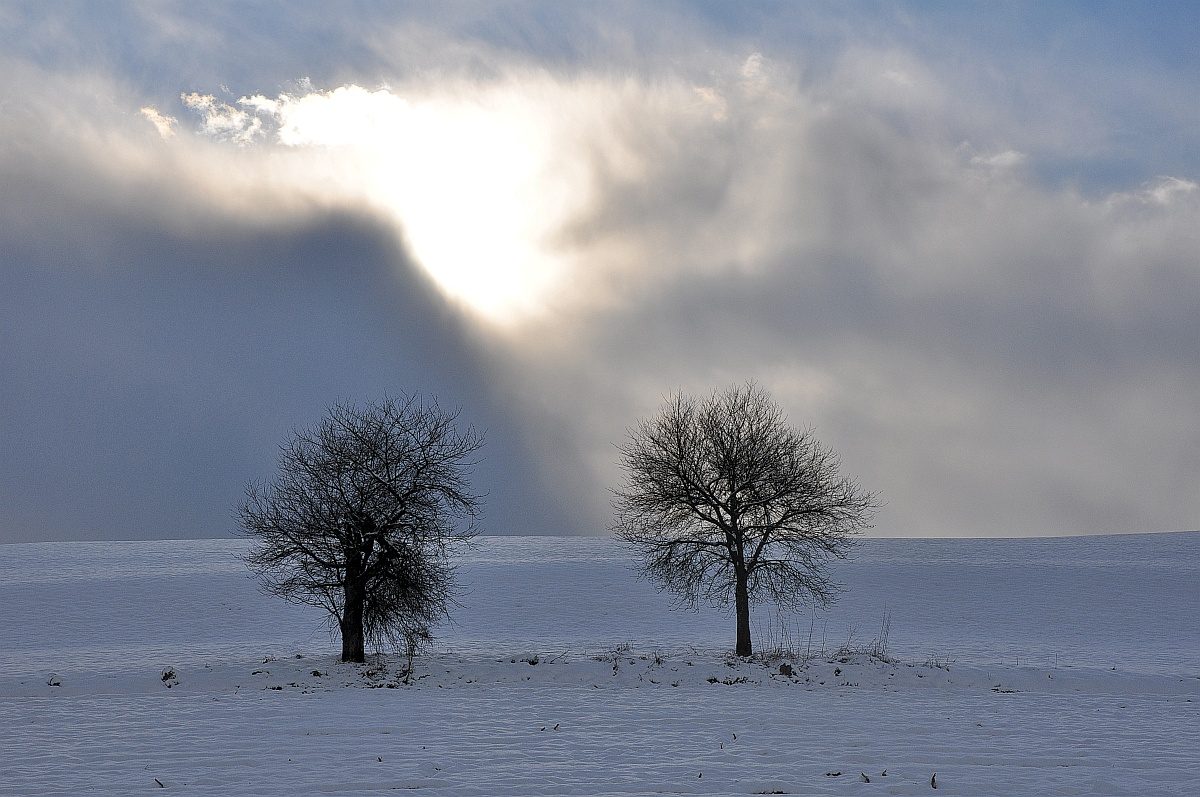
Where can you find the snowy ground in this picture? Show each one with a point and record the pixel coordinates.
(1004, 679)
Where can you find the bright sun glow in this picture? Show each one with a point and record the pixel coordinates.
(474, 181)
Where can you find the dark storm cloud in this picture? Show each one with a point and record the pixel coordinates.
(156, 351)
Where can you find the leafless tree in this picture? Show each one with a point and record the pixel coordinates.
(723, 499)
(363, 518)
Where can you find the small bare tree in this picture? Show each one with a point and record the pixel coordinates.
(723, 499)
(363, 517)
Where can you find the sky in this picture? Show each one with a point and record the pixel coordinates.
(960, 242)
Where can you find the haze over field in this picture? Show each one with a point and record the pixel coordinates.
(178, 601)
(960, 241)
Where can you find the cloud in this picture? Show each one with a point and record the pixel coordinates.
(173, 307)
(222, 120)
(1166, 190)
(165, 125)
(987, 350)
(557, 221)
(999, 161)
(508, 159)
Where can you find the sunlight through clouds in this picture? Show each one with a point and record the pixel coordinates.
(901, 243)
(477, 178)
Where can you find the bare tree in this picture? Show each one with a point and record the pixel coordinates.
(363, 517)
(723, 499)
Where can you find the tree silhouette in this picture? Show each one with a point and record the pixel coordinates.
(363, 517)
(724, 501)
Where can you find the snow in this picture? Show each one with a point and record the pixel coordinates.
(1060, 666)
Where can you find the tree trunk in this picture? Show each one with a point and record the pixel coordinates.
(742, 609)
(351, 624)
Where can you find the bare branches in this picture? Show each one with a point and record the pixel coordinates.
(722, 499)
(362, 517)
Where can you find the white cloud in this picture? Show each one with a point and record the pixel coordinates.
(260, 104)
(712, 99)
(1163, 194)
(165, 125)
(999, 161)
(754, 74)
(1165, 190)
(222, 120)
(900, 78)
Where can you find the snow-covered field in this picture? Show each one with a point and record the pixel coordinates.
(1062, 666)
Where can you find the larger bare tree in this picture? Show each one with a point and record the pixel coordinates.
(363, 517)
(724, 501)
